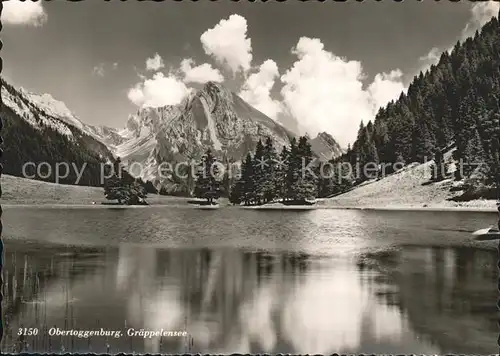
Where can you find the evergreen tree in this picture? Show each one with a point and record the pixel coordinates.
(475, 153)
(115, 190)
(494, 162)
(259, 166)
(248, 181)
(123, 187)
(207, 183)
(280, 181)
(236, 184)
(326, 184)
(163, 191)
(306, 182)
(438, 168)
(422, 145)
(243, 189)
(269, 189)
(150, 188)
(236, 194)
(292, 172)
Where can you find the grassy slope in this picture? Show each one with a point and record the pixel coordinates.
(17, 190)
(401, 190)
(405, 190)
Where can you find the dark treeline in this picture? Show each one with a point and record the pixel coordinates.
(268, 176)
(454, 104)
(207, 180)
(293, 176)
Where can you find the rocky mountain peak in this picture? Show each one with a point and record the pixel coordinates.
(215, 94)
(325, 146)
(133, 125)
(327, 137)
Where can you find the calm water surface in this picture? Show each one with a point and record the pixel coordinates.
(320, 281)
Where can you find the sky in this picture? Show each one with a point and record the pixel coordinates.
(311, 66)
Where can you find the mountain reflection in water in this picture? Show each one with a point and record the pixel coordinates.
(407, 300)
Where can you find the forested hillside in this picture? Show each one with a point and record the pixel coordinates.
(454, 103)
(34, 136)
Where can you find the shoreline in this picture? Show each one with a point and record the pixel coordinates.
(261, 207)
(92, 206)
(375, 208)
(414, 208)
(405, 194)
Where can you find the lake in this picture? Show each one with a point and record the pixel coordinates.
(319, 281)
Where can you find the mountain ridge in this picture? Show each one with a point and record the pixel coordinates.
(212, 117)
(39, 135)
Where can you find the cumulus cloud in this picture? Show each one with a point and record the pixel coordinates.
(25, 13)
(257, 89)
(324, 92)
(227, 42)
(385, 87)
(199, 74)
(155, 63)
(158, 91)
(481, 13)
(432, 57)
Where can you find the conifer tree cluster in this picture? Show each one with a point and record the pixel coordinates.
(267, 176)
(438, 167)
(453, 105)
(124, 188)
(208, 180)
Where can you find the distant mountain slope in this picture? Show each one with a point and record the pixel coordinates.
(40, 129)
(325, 147)
(58, 110)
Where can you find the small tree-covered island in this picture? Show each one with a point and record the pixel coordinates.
(265, 176)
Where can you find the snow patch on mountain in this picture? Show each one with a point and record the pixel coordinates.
(44, 110)
(25, 108)
(54, 108)
(56, 114)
